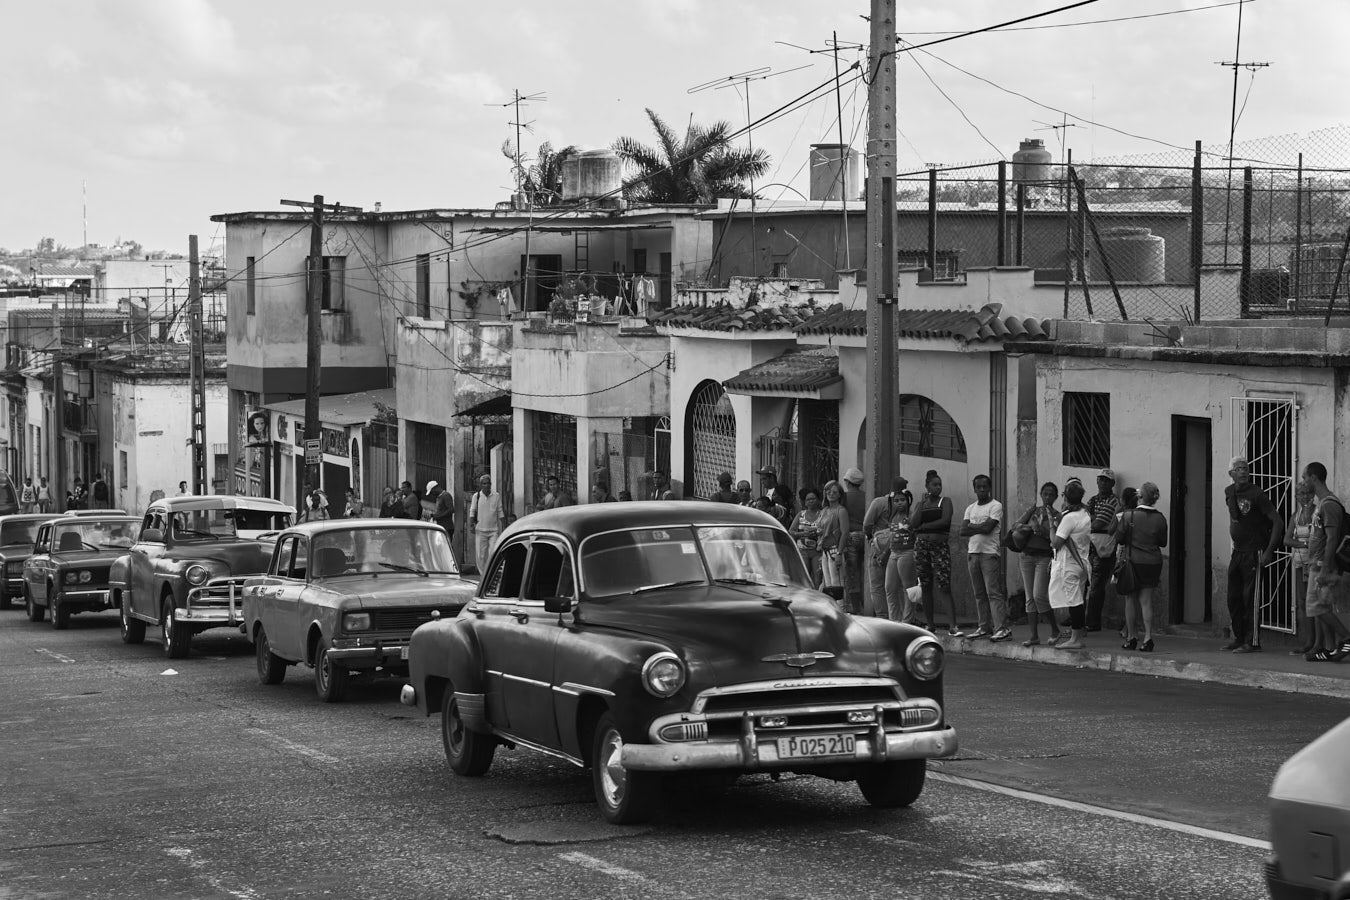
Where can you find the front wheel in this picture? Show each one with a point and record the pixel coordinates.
(468, 752)
(177, 636)
(35, 613)
(133, 630)
(893, 784)
(330, 679)
(59, 612)
(625, 797)
(271, 668)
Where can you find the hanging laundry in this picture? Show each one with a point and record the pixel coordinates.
(644, 294)
(506, 300)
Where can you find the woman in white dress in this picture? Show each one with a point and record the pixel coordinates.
(1069, 569)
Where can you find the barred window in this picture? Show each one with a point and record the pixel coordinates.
(927, 429)
(1087, 429)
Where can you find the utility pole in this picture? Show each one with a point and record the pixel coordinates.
(883, 403)
(314, 335)
(55, 432)
(1235, 65)
(197, 371)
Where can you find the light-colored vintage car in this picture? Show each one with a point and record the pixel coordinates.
(1310, 822)
(187, 567)
(344, 596)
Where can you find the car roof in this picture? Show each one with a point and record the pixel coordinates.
(580, 522)
(327, 526)
(29, 517)
(72, 520)
(222, 501)
(95, 512)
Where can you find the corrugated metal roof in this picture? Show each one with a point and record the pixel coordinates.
(799, 370)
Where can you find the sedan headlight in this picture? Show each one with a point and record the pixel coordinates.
(663, 674)
(356, 622)
(197, 574)
(925, 658)
(72, 577)
(86, 576)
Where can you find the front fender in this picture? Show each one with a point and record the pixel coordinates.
(119, 573)
(444, 652)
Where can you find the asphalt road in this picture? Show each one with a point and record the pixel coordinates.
(129, 776)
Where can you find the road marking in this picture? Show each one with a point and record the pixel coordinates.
(1136, 818)
(54, 655)
(279, 741)
(199, 866)
(599, 865)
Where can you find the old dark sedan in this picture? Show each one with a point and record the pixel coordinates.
(68, 571)
(17, 533)
(641, 639)
(344, 596)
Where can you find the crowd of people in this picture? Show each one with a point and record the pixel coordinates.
(40, 498)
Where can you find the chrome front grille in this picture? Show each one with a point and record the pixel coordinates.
(780, 698)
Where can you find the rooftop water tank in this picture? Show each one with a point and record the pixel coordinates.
(829, 181)
(1136, 254)
(591, 174)
(1031, 162)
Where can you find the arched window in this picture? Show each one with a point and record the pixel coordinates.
(710, 439)
(927, 429)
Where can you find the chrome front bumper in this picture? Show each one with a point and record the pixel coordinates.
(749, 752)
(84, 599)
(393, 651)
(218, 603)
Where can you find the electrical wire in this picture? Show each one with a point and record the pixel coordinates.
(984, 137)
(1171, 12)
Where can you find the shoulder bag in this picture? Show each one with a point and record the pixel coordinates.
(1127, 581)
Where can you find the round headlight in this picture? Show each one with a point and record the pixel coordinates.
(85, 576)
(663, 674)
(925, 658)
(197, 574)
(72, 577)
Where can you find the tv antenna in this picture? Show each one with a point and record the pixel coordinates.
(518, 98)
(735, 81)
(833, 47)
(1059, 132)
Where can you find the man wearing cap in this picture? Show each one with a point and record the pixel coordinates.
(1256, 529)
(768, 479)
(855, 543)
(725, 494)
(1103, 509)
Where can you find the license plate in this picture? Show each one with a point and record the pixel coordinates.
(402, 652)
(816, 746)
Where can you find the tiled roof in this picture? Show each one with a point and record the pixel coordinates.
(799, 370)
(958, 324)
(725, 317)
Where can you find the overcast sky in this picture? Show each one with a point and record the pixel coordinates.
(173, 110)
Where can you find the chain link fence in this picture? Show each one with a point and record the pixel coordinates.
(1121, 238)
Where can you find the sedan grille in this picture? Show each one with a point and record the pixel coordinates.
(852, 695)
(405, 619)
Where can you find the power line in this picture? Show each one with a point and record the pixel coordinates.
(1170, 12)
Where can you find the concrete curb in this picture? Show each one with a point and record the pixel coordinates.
(1156, 665)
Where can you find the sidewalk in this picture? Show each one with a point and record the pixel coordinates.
(1188, 657)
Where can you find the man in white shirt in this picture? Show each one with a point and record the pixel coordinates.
(981, 526)
(486, 521)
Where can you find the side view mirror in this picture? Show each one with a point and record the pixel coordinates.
(557, 605)
(153, 535)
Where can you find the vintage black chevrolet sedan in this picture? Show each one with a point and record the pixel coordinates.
(641, 639)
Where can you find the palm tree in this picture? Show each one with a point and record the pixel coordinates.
(698, 169)
(542, 178)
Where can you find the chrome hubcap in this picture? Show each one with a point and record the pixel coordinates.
(455, 730)
(168, 627)
(324, 673)
(613, 777)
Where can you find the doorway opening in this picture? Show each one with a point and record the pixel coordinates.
(1190, 581)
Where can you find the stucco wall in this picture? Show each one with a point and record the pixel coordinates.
(151, 426)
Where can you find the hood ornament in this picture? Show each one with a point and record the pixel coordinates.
(798, 660)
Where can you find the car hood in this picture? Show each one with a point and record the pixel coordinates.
(16, 552)
(399, 591)
(238, 557)
(750, 633)
(87, 557)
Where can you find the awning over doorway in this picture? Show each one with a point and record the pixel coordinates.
(340, 410)
(810, 373)
(496, 405)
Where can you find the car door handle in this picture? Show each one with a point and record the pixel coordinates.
(521, 615)
(476, 610)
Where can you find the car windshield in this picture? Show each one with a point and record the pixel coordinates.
(648, 559)
(381, 551)
(95, 535)
(14, 533)
(203, 524)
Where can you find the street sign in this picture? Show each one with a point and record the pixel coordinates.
(312, 453)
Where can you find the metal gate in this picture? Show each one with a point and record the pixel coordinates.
(1265, 432)
(710, 439)
(555, 455)
(631, 455)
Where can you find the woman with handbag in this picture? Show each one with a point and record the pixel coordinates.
(1142, 534)
(1034, 532)
(1069, 569)
(805, 530)
(833, 531)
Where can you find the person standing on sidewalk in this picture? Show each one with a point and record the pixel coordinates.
(100, 492)
(486, 521)
(1040, 523)
(1256, 530)
(1069, 569)
(854, 542)
(980, 527)
(1327, 585)
(1103, 509)
(28, 495)
(932, 522)
(883, 514)
(1296, 536)
(44, 495)
(1142, 533)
